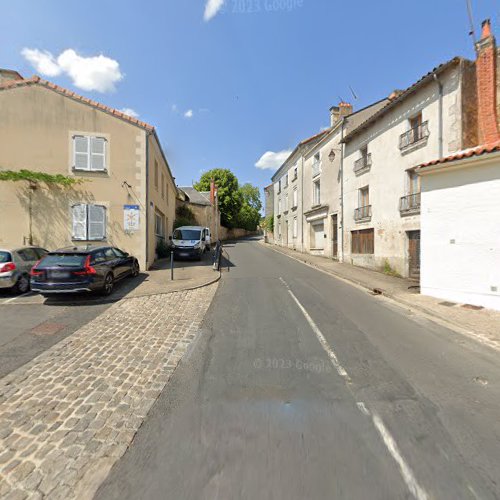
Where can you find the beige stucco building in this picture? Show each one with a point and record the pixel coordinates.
(128, 194)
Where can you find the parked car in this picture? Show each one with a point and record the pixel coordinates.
(15, 266)
(189, 242)
(82, 269)
(208, 238)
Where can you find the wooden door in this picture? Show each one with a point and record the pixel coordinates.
(335, 237)
(414, 254)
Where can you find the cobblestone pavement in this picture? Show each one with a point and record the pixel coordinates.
(69, 414)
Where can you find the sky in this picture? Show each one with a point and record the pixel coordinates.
(235, 83)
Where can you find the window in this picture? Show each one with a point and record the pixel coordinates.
(156, 175)
(109, 254)
(295, 172)
(89, 153)
(416, 122)
(89, 222)
(295, 227)
(364, 197)
(362, 242)
(279, 206)
(295, 198)
(286, 202)
(159, 226)
(28, 255)
(316, 167)
(279, 186)
(317, 193)
(413, 182)
(162, 185)
(286, 180)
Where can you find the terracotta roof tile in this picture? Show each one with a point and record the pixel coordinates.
(467, 153)
(69, 93)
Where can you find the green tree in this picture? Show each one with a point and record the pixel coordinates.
(249, 214)
(230, 198)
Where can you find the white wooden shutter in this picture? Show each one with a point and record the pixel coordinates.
(97, 153)
(81, 152)
(97, 222)
(79, 213)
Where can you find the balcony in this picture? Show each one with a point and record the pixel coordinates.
(416, 136)
(409, 204)
(363, 214)
(363, 164)
(316, 169)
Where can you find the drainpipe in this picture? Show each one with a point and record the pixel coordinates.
(440, 87)
(302, 203)
(342, 188)
(147, 198)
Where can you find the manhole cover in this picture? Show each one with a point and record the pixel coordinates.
(474, 308)
(47, 328)
(447, 304)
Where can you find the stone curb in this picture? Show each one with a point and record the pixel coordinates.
(396, 298)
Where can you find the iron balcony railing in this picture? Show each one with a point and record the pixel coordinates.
(409, 203)
(316, 168)
(414, 135)
(363, 212)
(364, 163)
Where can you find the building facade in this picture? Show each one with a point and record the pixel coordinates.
(127, 194)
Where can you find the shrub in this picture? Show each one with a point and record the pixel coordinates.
(162, 250)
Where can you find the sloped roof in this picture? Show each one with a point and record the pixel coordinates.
(403, 95)
(466, 153)
(197, 197)
(36, 80)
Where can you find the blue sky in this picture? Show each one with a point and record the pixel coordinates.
(258, 76)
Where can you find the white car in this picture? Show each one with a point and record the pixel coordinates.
(190, 242)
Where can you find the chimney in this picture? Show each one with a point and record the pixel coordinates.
(9, 75)
(212, 192)
(395, 94)
(334, 115)
(486, 86)
(345, 109)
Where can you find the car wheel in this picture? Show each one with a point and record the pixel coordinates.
(135, 269)
(107, 288)
(22, 285)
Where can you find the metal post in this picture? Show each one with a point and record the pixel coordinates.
(172, 265)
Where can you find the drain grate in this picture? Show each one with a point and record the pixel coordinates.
(473, 308)
(447, 304)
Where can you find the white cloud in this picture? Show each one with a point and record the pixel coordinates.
(43, 62)
(212, 8)
(189, 113)
(129, 112)
(271, 160)
(99, 73)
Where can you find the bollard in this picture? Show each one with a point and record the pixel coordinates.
(172, 265)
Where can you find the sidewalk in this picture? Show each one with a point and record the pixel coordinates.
(482, 325)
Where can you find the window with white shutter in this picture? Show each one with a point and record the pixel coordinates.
(89, 153)
(89, 222)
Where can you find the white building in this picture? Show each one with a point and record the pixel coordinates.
(432, 118)
(461, 228)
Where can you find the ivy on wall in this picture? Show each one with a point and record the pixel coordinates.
(37, 177)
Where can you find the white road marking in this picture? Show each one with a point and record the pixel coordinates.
(407, 474)
(8, 301)
(331, 353)
(418, 492)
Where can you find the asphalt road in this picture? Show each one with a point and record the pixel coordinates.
(29, 325)
(302, 386)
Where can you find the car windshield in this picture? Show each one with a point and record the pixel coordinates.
(62, 260)
(5, 257)
(187, 234)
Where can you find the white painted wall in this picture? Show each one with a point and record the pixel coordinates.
(460, 222)
(387, 178)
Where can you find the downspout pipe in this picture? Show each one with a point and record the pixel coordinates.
(440, 133)
(342, 145)
(147, 198)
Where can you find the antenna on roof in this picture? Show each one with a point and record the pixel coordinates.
(472, 31)
(353, 93)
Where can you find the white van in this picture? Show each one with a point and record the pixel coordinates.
(190, 241)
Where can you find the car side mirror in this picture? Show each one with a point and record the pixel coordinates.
(126, 254)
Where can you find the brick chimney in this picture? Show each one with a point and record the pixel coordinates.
(345, 108)
(334, 115)
(486, 86)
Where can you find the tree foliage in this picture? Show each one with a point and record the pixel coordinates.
(37, 177)
(184, 216)
(229, 195)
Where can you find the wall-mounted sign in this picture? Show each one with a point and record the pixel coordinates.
(131, 217)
